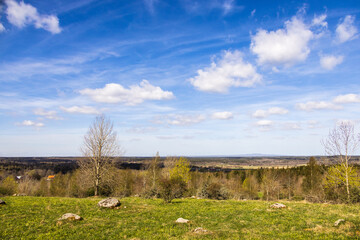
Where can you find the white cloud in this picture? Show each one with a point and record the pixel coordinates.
(227, 6)
(82, 110)
(271, 111)
(229, 71)
(320, 20)
(346, 30)
(329, 61)
(31, 123)
(179, 120)
(347, 98)
(311, 105)
(115, 93)
(22, 14)
(2, 28)
(222, 115)
(284, 46)
(264, 123)
(291, 126)
(47, 114)
(182, 120)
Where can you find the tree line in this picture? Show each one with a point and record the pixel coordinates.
(97, 175)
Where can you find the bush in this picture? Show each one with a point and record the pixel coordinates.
(214, 191)
(8, 186)
(172, 188)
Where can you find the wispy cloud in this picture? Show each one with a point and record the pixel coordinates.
(346, 30)
(271, 111)
(22, 14)
(81, 109)
(321, 105)
(29, 123)
(47, 114)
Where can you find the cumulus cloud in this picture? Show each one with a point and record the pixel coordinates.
(312, 105)
(222, 115)
(22, 14)
(31, 123)
(229, 71)
(271, 111)
(264, 125)
(346, 30)
(135, 94)
(329, 61)
(285, 46)
(47, 114)
(347, 98)
(82, 110)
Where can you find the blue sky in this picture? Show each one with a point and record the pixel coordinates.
(221, 77)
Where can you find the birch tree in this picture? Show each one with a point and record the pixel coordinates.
(341, 144)
(100, 146)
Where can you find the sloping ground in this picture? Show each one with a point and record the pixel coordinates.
(137, 218)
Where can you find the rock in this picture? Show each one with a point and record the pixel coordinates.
(2, 202)
(338, 222)
(200, 230)
(109, 203)
(182, 220)
(70, 216)
(278, 205)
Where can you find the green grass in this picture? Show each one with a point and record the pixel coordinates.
(36, 218)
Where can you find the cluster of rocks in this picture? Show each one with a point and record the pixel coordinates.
(105, 203)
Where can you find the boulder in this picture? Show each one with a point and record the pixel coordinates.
(70, 216)
(2, 202)
(278, 205)
(338, 222)
(182, 220)
(109, 203)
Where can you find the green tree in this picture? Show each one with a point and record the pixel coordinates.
(312, 183)
(181, 170)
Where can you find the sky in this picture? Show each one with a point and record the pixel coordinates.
(181, 77)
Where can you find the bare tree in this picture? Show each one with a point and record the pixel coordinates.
(341, 143)
(99, 148)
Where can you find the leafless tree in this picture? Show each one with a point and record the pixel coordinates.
(99, 148)
(341, 144)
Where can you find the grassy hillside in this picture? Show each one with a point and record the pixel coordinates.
(36, 218)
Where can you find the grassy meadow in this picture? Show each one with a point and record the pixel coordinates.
(137, 218)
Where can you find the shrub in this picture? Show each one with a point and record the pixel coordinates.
(8, 186)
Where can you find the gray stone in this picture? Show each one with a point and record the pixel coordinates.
(200, 230)
(182, 220)
(2, 202)
(338, 222)
(278, 205)
(109, 203)
(70, 216)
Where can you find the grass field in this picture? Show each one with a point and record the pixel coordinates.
(137, 218)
